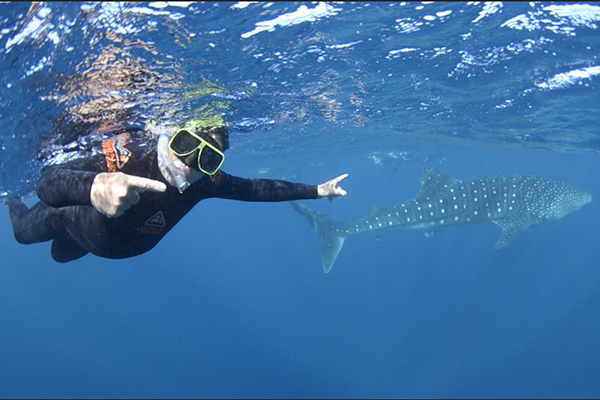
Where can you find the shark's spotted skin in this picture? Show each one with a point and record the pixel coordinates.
(512, 202)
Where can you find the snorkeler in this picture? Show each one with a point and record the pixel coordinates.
(121, 202)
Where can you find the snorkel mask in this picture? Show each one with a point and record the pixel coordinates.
(200, 144)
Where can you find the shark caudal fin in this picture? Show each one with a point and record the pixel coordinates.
(330, 232)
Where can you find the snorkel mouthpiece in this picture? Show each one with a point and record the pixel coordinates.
(180, 182)
(176, 174)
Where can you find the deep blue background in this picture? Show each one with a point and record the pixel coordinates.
(234, 302)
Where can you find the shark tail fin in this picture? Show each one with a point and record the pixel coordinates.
(332, 233)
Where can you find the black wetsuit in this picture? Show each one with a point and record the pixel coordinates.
(66, 216)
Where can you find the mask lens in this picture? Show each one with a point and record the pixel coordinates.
(184, 143)
(210, 160)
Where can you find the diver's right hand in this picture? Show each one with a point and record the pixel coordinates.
(113, 193)
(330, 189)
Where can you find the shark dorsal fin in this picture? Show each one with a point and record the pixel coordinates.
(433, 181)
(378, 209)
(512, 228)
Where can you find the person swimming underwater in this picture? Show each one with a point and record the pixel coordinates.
(122, 201)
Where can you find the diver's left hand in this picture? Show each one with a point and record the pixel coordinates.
(331, 189)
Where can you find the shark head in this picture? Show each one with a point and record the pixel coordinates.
(549, 200)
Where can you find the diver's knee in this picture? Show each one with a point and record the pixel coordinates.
(21, 238)
(16, 208)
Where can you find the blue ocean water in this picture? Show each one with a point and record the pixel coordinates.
(234, 302)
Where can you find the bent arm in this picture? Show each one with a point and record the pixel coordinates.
(69, 184)
(236, 188)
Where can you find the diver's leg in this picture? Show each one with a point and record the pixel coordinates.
(65, 249)
(43, 223)
(40, 224)
(84, 230)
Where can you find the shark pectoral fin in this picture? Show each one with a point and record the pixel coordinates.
(511, 229)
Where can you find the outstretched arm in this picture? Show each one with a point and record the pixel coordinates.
(233, 187)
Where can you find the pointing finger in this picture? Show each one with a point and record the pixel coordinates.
(143, 184)
(340, 178)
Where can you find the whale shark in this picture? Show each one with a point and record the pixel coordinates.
(512, 202)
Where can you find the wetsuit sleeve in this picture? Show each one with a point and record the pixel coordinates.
(70, 184)
(236, 188)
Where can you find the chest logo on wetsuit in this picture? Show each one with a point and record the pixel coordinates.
(115, 152)
(154, 225)
(157, 220)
